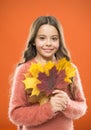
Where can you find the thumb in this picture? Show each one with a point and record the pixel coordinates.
(56, 91)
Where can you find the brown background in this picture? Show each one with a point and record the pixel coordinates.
(16, 17)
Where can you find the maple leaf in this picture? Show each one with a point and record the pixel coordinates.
(35, 69)
(41, 80)
(60, 82)
(63, 64)
(48, 66)
(31, 83)
(47, 84)
(41, 98)
(70, 72)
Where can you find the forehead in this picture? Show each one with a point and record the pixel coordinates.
(47, 29)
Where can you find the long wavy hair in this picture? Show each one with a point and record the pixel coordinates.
(30, 51)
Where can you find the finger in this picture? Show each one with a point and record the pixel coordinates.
(61, 106)
(61, 95)
(56, 91)
(59, 92)
(60, 101)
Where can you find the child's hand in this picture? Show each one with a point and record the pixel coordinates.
(59, 101)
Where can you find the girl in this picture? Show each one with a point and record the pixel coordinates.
(45, 44)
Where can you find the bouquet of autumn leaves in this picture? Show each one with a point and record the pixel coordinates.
(41, 80)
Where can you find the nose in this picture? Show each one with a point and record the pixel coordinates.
(48, 42)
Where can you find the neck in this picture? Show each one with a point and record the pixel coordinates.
(45, 60)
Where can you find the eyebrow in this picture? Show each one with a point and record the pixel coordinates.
(55, 35)
(51, 35)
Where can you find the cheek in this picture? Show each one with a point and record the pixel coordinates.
(56, 45)
(38, 43)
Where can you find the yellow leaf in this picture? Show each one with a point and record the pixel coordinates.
(61, 64)
(48, 67)
(35, 91)
(43, 100)
(67, 80)
(70, 71)
(31, 83)
(35, 69)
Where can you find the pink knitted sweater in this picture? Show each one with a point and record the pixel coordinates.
(41, 117)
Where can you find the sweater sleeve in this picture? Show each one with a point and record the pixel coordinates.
(20, 112)
(76, 108)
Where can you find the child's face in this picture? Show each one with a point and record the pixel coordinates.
(47, 42)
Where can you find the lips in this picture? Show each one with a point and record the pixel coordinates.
(47, 49)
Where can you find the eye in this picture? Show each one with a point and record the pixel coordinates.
(41, 38)
(54, 38)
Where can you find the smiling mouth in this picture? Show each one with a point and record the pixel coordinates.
(48, 50)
